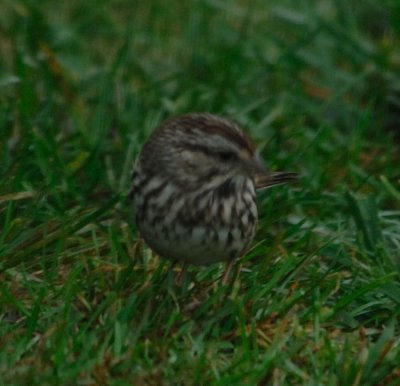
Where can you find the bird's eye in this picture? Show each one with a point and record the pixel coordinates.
(226, 155)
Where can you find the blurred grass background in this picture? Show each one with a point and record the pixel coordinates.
(315, 83)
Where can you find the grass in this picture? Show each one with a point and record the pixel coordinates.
(317, 300)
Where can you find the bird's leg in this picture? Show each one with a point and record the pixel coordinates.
(227, 271)
(181, 275)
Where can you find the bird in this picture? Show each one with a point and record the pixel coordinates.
(194, 187)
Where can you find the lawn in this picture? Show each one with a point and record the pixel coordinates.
(83, 301)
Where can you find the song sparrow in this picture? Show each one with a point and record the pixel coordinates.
(193, 187)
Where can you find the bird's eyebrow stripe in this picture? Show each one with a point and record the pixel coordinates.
(213, 125)
(200, 148)
(204, 149)
(231, 135)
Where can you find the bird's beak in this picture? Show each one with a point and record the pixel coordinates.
(265, 179)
